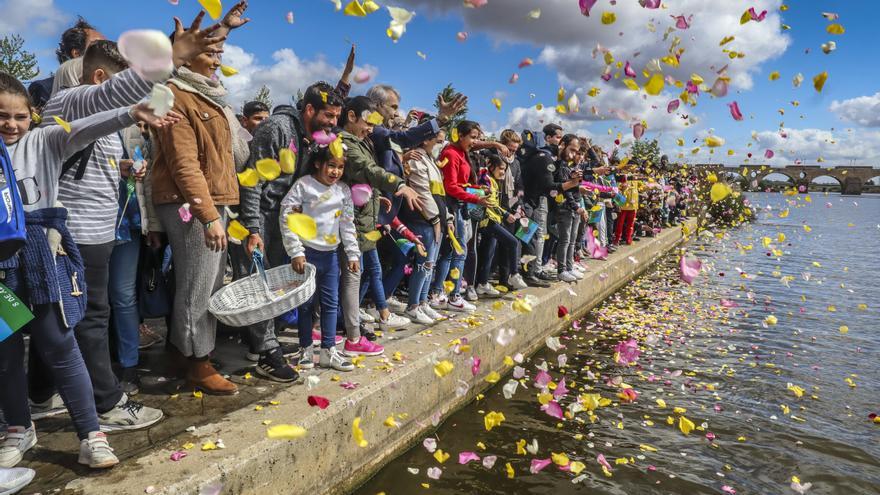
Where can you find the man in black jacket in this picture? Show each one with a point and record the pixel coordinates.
(538, 170)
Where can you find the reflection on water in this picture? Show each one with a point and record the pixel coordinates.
(723, 364)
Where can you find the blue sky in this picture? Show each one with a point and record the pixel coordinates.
(500, 35)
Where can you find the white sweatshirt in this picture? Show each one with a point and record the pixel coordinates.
(331, 208)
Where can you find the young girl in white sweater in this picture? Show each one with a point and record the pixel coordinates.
(321, 196)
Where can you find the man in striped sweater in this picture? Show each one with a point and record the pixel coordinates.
(88, 188)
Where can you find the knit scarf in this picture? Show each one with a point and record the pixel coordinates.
(214, 91)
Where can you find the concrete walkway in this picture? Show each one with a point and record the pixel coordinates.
(327, 460)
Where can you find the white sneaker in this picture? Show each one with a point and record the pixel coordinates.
(418, 316)
(393, 321)
(428, 311)
(307, 360)
(18, 441)
(487, 290)
(53, 406)
(365, 317)
(438, 301)
(578, 275)
(128, 414)
(470, 294)
(516, 282)
(460, 305)
(549, 267)
(567, 277)
(95, 452)
(395, 306)
(331, 358)
(14, 480)
(579, 268)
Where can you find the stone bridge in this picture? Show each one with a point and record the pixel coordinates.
(852, 179)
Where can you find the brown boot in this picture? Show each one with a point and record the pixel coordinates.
(204, 377)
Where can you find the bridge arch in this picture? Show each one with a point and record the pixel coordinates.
(824, 185)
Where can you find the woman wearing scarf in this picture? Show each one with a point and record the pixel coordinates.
(193, 179)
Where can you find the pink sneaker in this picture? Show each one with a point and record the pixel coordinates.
(316, 336)
(363, 347)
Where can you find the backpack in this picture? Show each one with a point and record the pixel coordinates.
(12, 228)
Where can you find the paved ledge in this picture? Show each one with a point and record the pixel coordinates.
(326, 460)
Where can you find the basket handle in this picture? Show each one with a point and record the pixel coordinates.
(260, 267)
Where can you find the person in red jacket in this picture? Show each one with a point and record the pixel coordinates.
(457, 175)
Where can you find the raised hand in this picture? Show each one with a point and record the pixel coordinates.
(349, 66)
(447, 109)
(192, 42)
(233, 18)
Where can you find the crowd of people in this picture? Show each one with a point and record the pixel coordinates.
(418, 216)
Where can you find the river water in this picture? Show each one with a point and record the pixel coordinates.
(734, 373)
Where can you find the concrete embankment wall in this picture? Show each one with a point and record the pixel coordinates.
(327, 460)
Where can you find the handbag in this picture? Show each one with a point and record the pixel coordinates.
(155, 289)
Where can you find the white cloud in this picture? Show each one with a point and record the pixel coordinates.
(287, 74)
(25, 17)
(567, 39)
(864, 110)
(836, 148)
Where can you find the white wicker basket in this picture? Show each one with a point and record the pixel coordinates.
(263, 295)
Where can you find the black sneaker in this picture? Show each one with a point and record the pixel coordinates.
(130, 381)
(273, 366)
(287, 349)
(533, 281)
(368, 333)
(546, 275)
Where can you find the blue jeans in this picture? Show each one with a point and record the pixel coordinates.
(423, 266)
(372, 278)
(490, 236)
(452, 260)
(327, 293)
(394, 276)
(57, 347)
(123, 300)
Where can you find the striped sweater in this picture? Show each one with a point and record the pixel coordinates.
(92, 202)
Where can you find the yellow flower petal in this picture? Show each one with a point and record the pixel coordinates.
(302, 225)
(443, 368)
(357, 433)
(213, 7)
(63, 123)
(285, 432)
(268, 169)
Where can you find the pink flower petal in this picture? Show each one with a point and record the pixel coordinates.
(755, 16)
(542, 379)
(475, 365)
(672, 106)
(734, 111)
(603, 461)
(560, 390)
(318, 401)
(538, 465)
(690, 267)
(768, 154)
(585, 6)
(553, 409)
(466, 457)
(628, 70)
(681, 22)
